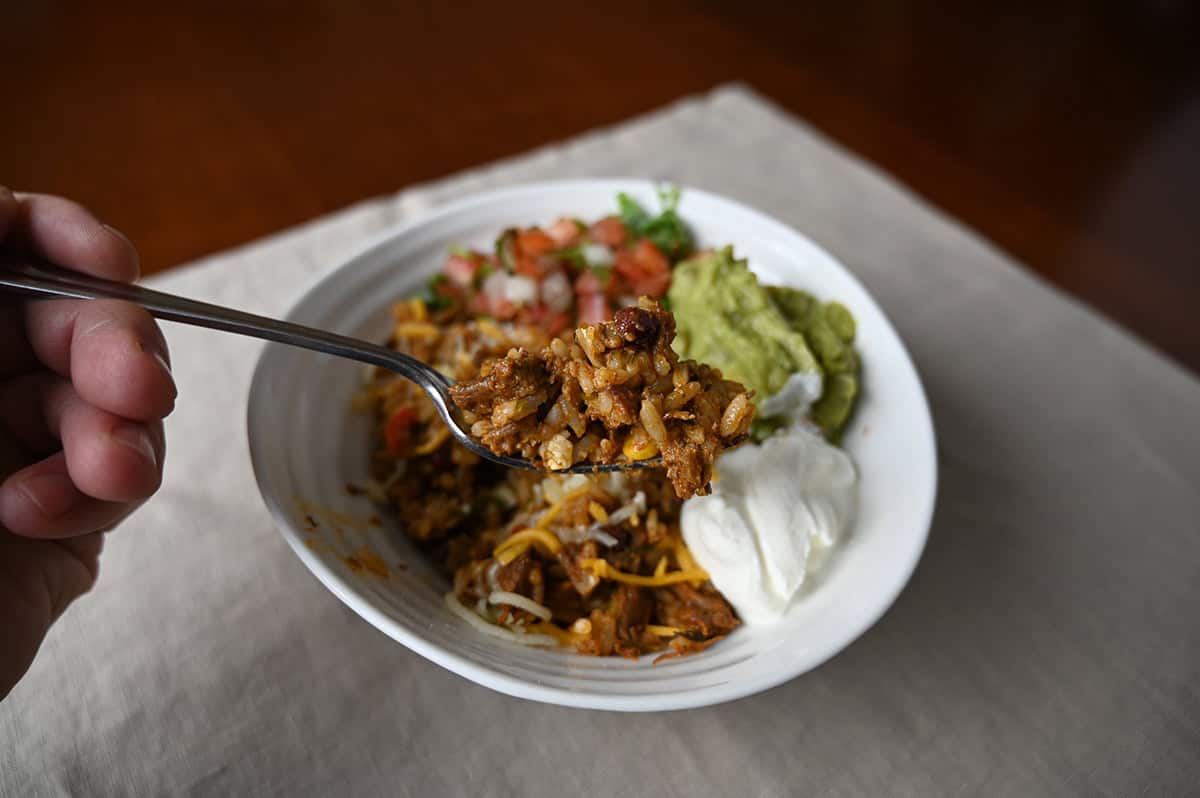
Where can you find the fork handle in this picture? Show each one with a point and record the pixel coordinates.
(45, 281)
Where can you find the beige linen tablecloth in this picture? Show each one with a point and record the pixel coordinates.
(1049, 643)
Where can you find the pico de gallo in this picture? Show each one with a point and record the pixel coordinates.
(570, 272)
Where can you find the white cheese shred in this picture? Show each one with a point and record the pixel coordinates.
(492, 630)
(520, 602)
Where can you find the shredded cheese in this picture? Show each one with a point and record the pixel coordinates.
(662, 631)
(505, 556)
(661, 568)
(488, 628)
(603, 570)
(491, 329)
(686, 561)
(553, 510)
(417, 306)
(520, 602)
(434, 442)
(417, 329)
(547, 629)
(597, 512)
(512, 546)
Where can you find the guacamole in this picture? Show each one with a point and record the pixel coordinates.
(760, 336)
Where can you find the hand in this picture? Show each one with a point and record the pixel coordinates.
(84, 386)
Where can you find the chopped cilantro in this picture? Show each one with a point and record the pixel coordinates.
(574, 255)
(432, 297)
(667, 231)
(482, 273)
(632, 213)
(505, 246)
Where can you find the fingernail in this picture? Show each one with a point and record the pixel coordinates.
(117, 233)
(137, 256)
(162, 361)
(136, 438)
(53, 494)
(160, 358)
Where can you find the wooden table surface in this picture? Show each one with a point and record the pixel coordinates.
(1067, 133)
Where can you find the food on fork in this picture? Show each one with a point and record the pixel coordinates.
(615, 393)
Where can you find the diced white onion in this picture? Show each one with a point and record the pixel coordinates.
(596, 255)
(520, 289)
(494, 285)
(557, 292)
(638, 505)
(600, 536)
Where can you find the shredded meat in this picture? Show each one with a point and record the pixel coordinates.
(582, 580)
(682, 646)
(617, 393)
(632, 607)
(520, 575)
(701, 612)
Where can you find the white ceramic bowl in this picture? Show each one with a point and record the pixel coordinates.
(306, 446)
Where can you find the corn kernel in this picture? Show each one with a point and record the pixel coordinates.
(639, 447)
(597, 512)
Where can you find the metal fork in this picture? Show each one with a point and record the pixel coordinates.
(44, 281)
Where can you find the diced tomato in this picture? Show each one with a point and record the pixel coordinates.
(503, 309)
(448, 290)
(651, 257)
(461, 270)
(526, 315)
(534, 242)
(479, 304)
(588, 283)
(564, 232)
(557, 323)
(609, 231)
(593, 309)
(644, 268)
(529, 266)
(398, 433)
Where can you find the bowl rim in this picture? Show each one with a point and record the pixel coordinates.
(497, 679)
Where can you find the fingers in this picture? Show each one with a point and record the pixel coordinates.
(42, 501)
(107, 467)
(66, 233)
(108, 457)
(112, 351)
(16, 356)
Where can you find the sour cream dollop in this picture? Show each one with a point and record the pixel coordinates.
(771, 520)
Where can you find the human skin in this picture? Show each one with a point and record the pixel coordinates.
(84, 386)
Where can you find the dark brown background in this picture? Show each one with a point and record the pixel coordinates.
(1069, 134)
